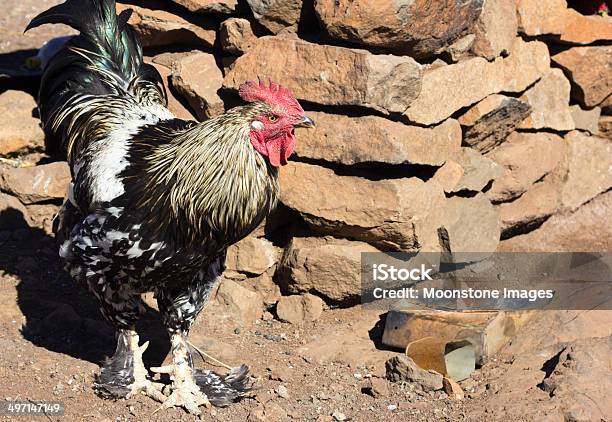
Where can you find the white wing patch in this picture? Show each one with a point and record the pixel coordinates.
(110, 155)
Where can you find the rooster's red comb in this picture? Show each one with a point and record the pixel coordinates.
(272, 94)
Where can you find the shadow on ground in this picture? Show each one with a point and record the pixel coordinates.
(60, 315)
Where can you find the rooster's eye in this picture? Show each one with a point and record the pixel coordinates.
(272, 118)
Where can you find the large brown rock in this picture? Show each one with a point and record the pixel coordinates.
(298, 309)
(402, 368)
(234, 302)
(589, 169)
(371, 139)
(478, 171)
(36, 184)
(469, 225)
(495, 29)
(19, 128)
(416, 28)
(530, 209)
(163, 64)
(571, 382)
(236, 36)
(276, 15)
(449, 175)
(549, 101)
(538, 17)
(588, 229)
(590, 71)
(198, 79)
(587, 120)
(251, 255)
(552, 17)
(331, 75)
(209, 6)
(330, 267)
(157, 28)
(447, 89)
(527, 157)
(397, 214)
(488, 123)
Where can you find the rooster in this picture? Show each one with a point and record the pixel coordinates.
(154, 201)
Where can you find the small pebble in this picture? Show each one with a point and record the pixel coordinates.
(282, 391)
(339, 416)
(392, 407)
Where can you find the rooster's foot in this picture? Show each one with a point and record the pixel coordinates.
(142, 384)
(184, 392)
(124, 375)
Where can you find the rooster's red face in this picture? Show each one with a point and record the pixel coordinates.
(272, 133)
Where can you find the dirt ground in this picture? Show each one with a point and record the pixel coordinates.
(53, 339)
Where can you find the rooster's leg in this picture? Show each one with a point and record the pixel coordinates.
(179, 306)
(184, 390)
(124, 375)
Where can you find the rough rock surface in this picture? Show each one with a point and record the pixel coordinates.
(197, 78)
(19, 128)
(578, 364)
(478, 171)
(590, 71)
(453, 389)
(276, 15)
(447, 89)
(298, 309)
(495, 29)
(331, 75)
(587, 120)
(587, 173)
(371, 139)
(469, 225)
(236, 302)
(449, 175)
(414, 28)
(585, 230)
(549, 101)
(528, 157)
(209, 6)
(400, 216)
(251, 255)
(552, 17)
(160, 28)
(605, 127)
(488, 123)
(530, 209)
(164, 67)
(402, 368)
(265, 286)
(327, 266)
(352, 346)
(36, 184)
(236, 36)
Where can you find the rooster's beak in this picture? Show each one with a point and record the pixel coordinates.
(305, 122)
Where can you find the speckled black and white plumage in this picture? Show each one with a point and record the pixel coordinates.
(154, 201)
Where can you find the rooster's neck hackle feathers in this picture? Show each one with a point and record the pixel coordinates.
(209, 178)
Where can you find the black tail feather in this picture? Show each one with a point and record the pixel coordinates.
(105, 59)
(223, 390)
